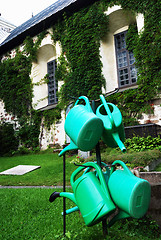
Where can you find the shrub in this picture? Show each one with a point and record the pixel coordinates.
(29, 135)
(139, 144)
(8, 141)
(133, 159)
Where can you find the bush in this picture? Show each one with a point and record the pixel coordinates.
(133, 159)
(139, 144)
(29, 135)
(8, 140)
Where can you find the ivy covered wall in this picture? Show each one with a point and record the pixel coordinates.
(80, 65)
(146, 47)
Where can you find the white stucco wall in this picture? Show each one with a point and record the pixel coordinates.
(119, 21)
(156, 116)
(46, 53)
(56, 135)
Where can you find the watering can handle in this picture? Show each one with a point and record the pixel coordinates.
(126, 169)
(90, 165)
(86, 101)
(102, 164)
(107, 109)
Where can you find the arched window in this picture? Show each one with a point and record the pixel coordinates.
(127, 73)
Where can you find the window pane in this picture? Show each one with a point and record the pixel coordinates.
(127, 73)
(131, 58)
(122, 59)
(133, 73)
(123, 77)
(52, 84)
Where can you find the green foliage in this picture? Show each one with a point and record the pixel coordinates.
(139, 144)
(146, 47)
(29, 130)
(80, 66)
(158, 168)
(51, 116)
(141, 151)
(134, 159)
(16, 91)
(31, 47)
(8, 140)
(144, 226)
(15, 85)
(130, 109)
(29, 134)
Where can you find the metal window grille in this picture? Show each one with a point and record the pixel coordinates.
(52, 84)
(127, 73)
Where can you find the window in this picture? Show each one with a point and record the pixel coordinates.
(127, 73)
(52, 84)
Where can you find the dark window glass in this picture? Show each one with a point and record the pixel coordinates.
(127, 73)
(52, 84)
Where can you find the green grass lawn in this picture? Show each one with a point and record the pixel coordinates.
(50, 173)
(28, 214)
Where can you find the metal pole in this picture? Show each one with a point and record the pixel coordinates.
(98, 157)
(64, 200)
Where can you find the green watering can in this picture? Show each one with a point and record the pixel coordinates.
(83, 127)
(113, 134)
(91, 194)
(130, 193)
(106, 175)
(106, 172)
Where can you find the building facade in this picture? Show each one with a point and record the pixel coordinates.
(118, 65)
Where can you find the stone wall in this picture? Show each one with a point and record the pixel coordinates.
(154, 178)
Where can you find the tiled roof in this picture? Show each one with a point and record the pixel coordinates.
(54, 8)
(35, 22)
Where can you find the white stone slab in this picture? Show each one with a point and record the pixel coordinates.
(19, 170)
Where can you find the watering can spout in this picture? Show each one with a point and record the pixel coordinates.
(71, 146)
(55, 195)
(69, 196)
(119, 142)
(113, 134)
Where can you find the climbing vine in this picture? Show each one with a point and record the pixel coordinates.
(31, 46)
(16, 90)
(80, 66)
(146, 47)
(16, 86)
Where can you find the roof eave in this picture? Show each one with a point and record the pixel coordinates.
(42, 25)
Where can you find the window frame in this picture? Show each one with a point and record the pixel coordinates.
(127, 70)
(52, 83)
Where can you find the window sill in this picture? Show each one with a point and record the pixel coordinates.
(121, 89)
(48, 107)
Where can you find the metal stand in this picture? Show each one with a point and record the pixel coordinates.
(98, 157)
(64, 200)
